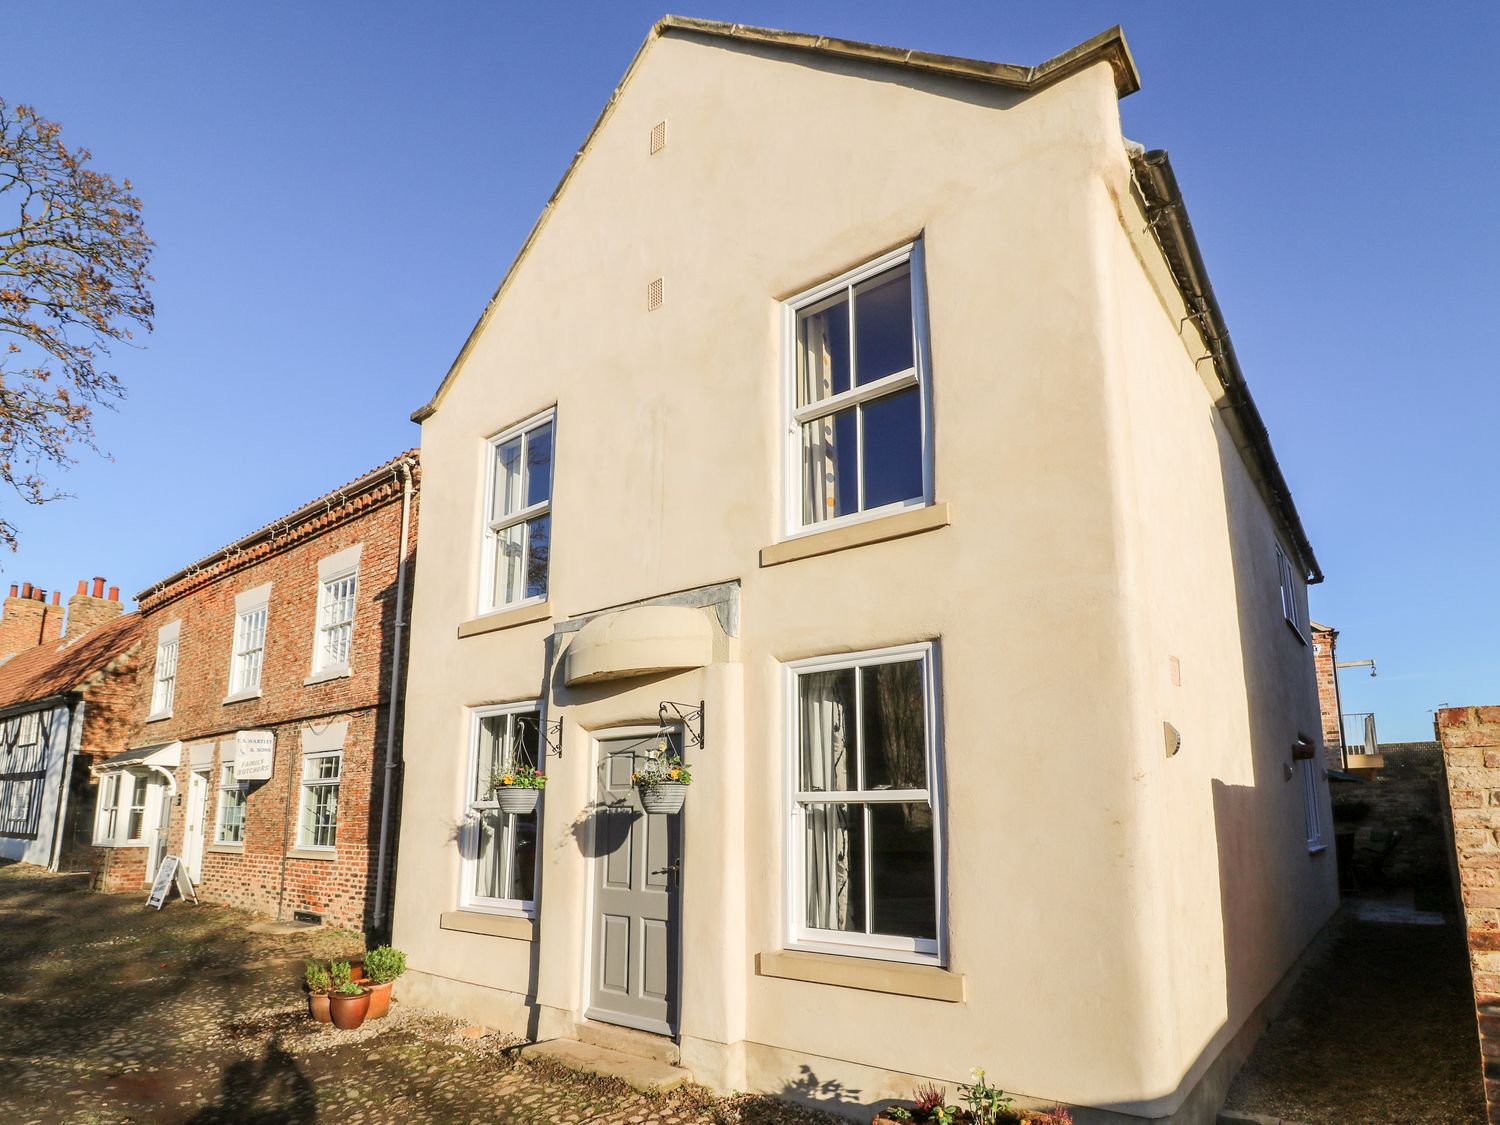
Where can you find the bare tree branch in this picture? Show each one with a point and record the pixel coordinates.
(74, 280)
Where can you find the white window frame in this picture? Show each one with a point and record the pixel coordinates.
(490, 530)
(1291, 609)
(140, 783)
(116, 834)
(793, 416)
(107, 815)
(305, 788)
(1312, 809)
(322, 663)
(468, 900)
(881, 946)
(164, 686)
(229, 785)
(247, 606)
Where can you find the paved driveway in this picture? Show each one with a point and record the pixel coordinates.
(1379, 1028)
(110, 1012)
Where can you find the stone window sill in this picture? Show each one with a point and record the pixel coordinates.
(896, 977)
(896, 526)
(241, 696)
(339, 672)
(506, 619)
(324, 854)
(158, 717)
(111, 844)
(226, 849)
(491, 925)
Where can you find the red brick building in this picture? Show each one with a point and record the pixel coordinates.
(264, 714)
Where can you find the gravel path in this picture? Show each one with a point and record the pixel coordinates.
(1380, 1028)
(113, 1013)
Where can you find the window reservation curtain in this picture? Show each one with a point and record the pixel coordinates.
(820, 472)
(827, 766)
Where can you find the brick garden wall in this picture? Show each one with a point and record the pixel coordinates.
(1408, 796)
(1470, 739)
(118, 869)
(266, 874)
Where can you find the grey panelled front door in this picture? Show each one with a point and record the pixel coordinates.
(637, 856)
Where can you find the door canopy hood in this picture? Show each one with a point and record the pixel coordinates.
(639, 642)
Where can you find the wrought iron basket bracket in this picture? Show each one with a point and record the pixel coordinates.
(549, 737)
(689, 715)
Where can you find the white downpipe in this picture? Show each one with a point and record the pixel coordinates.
(395, 694)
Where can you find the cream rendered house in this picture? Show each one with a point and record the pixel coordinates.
(863, 420)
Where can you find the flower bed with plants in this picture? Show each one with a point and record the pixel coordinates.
(982, 1104)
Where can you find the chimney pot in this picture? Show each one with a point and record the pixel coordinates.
(12, 589)
(57, 597)
(98, 586)
(41, 595)
(83, 585)
(114, 593)
(26, 590)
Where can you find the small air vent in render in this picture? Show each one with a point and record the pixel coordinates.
(653, 295)
(658, 137)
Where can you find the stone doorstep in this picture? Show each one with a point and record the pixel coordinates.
(644, 1075)
(628, 1041)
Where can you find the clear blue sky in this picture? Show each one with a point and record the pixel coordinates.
(336, 188)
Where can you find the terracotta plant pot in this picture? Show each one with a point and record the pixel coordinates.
(513, 799)
(357, 970)
(666, 797)
(380, 1000)
(317, 1006)
(349, 1011)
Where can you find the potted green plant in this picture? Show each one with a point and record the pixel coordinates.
(384, 965)
(662, 782)
(349, 1002)
(318, 986)
(517, 790)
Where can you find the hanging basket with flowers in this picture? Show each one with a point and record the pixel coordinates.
(662, 781)
(516, 790)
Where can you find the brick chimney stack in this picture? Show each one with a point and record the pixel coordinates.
(52, 619)
(1325, 647)
(87, 610)
(22, 620)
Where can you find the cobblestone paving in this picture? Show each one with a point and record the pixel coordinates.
(113, 1013)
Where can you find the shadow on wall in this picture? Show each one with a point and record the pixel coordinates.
(1269, 907)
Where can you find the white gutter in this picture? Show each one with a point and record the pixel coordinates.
(391, 765)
